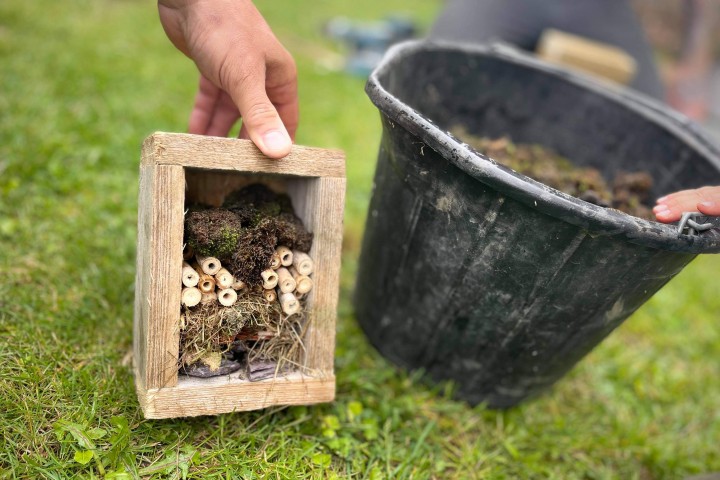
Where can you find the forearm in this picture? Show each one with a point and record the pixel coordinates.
(698, 23)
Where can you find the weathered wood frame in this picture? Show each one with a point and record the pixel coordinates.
(315, 180)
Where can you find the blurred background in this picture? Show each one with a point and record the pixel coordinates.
(83, 82)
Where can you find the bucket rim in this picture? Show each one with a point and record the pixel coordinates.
(599, 221)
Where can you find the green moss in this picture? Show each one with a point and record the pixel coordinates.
(213, 232)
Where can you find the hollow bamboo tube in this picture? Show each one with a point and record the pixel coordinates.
(224, 279)
(303, 283)
(275, 261)
(191, 296)
(289, 303)
(285, 254)
(206, 283)
(286, 282)
(269, 295)
(302, 262)
(270, 278)
(209, 297)
(209, 265)
(238, 284)
(227, 297)
(190, 277)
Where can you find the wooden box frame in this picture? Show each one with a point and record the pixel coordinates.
(173, 164)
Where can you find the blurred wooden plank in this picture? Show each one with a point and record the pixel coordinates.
(596, 58)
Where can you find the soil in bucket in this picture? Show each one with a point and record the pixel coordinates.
(628, 192)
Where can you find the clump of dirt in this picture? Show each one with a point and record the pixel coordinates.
(629, 192)
(253, 252)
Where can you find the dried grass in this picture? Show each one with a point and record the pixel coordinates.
(269, 334)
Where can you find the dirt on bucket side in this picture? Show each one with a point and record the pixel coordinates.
(628, 192)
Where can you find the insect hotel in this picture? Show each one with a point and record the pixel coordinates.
(238, 261)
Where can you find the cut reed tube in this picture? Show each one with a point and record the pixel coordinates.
(209, 265)
(227, 297)
(269, 295)
(302, 263)
(238, 284)
(208, 297)
(270, 278)
(224, 279)
(191, 296)
(289, 303)
(285, 254)
(303, 283)
(190, 277)
(206, 283)
(275, 261)
(286, 282)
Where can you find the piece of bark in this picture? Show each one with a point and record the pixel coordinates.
(188, 253)
(303, 263)
(269, 295)
(275, 261)
(270, 278)
(289, 303)
(191, 296)
(208, 297)
(261, 370)
(285, 254)
(286, 282)
(224, 279)
(238, 284)
(190, 277)
(209, 265)
(227, 297)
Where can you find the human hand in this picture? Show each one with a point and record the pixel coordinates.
(705, 200)
(688, 90)
(244, 71)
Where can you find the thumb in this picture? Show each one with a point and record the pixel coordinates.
(259, 116)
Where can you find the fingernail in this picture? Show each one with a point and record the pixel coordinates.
(276, 140)
(660, 208)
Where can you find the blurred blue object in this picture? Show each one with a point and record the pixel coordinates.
(368, 41)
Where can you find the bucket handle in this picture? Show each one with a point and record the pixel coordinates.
(693, 223)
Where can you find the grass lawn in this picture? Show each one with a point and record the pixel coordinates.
(82, 82)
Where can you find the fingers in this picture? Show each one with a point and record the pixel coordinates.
(671, 207)
(710, 208)
(224, 117)
(204, 107)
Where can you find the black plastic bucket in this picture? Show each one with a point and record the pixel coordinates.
(480, 275)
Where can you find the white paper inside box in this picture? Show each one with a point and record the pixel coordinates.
(179, 170)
